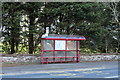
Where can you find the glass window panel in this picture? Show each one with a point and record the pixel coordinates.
(48, 54)
(48, 44)
(71, 53)
(59, 44)
(60, 53)
(58, 59)
(68, 59)
(71, 45)
(50, 59)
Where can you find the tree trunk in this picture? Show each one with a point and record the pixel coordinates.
(31, 45)
(31, 31)
(12, 40)
(12, 45)
(106, 43)
(118, 46)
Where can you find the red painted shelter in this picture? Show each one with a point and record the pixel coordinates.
(60, 48)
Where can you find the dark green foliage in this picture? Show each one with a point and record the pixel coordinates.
(93, 20)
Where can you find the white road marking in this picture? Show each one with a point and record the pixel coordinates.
(112, 77)
(63, 74)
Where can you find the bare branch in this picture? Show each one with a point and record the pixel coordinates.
(113, 7)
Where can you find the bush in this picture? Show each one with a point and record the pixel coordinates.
(87, 51)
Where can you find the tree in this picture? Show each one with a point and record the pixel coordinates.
(10, 22)
(32, 10)
(115, 12)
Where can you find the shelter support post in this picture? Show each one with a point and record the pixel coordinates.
(42, 53)
(77, 52)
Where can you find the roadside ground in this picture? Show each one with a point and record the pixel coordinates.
(103, 69)
(7, 64)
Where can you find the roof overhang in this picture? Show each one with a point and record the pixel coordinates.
(63, 37)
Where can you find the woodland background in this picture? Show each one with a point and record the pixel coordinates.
(23, 23)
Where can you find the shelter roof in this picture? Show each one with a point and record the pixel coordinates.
(62, 37)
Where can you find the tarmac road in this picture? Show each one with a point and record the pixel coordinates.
(107, 69)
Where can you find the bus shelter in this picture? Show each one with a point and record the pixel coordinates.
(60, 48)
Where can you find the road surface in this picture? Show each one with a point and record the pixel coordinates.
(108, 69)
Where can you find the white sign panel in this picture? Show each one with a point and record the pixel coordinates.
(59, 45)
